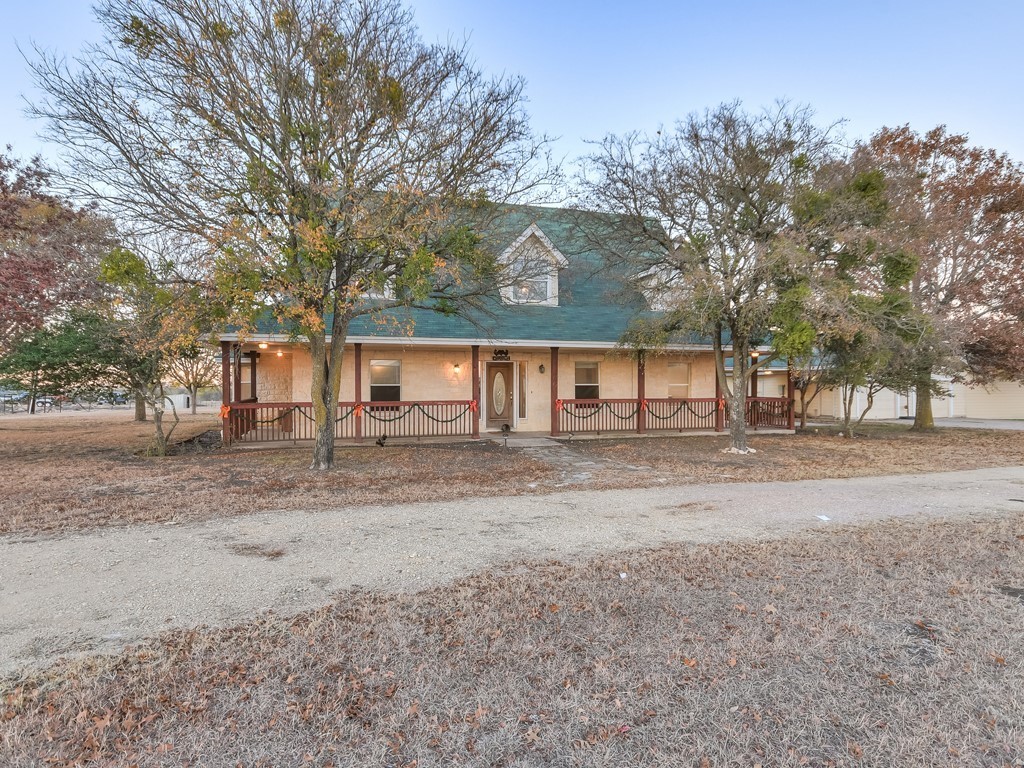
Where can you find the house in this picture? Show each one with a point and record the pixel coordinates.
(545, 357)
(1001, 400)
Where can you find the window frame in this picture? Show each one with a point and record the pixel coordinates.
(668, 379)
(587, 365)
(392, 363)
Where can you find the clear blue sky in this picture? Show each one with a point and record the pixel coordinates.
(594, 68)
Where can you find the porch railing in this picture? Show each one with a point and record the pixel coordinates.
(294, 422)
(772, 412)
(665, 414)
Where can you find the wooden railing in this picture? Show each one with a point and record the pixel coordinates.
(597, 415)
(435, 418)
(665, 414)
(770, 412)
(293, 422)
(679, 415)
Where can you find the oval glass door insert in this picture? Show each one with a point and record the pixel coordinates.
(498, 393)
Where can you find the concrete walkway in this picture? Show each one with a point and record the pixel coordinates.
(98, 591)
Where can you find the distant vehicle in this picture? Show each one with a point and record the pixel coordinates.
(112, 398)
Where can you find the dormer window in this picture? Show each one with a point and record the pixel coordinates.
(531, 267)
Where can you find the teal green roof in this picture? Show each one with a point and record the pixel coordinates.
(596, 302)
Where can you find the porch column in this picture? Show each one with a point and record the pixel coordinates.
(252, 374)
(791, 394)
(554, 392)
(237, 372)
(475, 366)
(225, 389)
(358, 391)
(753, 377)
(719, 411)
(641, 392)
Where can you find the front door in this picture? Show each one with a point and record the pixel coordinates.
(500, 389)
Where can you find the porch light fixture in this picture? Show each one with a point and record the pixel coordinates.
(263, 345)
(542, 367)
(755, 354)
(456, 369)
(280, 353)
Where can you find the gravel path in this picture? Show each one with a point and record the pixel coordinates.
(102, 590)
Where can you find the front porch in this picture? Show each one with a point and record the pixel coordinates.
(499, 395)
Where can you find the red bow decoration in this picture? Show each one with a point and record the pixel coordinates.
(644, 406)
(721, 404)
(358, 409)
(473, 406)
(558, 405)
(225, 410)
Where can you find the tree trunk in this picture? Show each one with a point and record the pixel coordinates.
(737, 402)
(803, 409)
(159, 438)
(325, 390)
(849, 392)
(193, 394)
(738, 418)
(923, 417)
(140, 407)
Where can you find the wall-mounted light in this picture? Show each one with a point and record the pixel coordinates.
(755, 354)
(280, 353)
(263, 345)
(542, 367)
(456, 369)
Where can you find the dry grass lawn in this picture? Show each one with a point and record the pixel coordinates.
(72, 471)
(892, 645)
(66, 472)
(878, 449)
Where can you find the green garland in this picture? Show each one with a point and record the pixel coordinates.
(676, 412)
(421, 409)
(595, 411)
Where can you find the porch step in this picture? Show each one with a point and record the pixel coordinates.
(514, 441)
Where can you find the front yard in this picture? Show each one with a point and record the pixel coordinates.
(896, 644)
(68, 472)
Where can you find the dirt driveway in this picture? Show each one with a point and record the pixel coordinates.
(101, 590)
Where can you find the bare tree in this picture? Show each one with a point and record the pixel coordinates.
(959, 210)
(710, 205)
(319, 146)
(194, 367)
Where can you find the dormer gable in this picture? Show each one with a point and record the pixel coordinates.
(532, 262)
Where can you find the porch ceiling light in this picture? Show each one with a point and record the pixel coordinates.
(280, 353)
(263, 345)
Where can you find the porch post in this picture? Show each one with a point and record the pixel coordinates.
(791, 394)
(753, 381)
(237, 372)
(358, 391)
(719, 411)
(475, 366)
(554, 393)
(252, 374)
(641, 392)
(225, 390)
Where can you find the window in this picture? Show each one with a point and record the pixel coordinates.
(531, 290)
(532, 263)
(587, 385)
(679, 380)
(522, 390)
(385, 380)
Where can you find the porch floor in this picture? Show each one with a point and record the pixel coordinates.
(514, 440)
